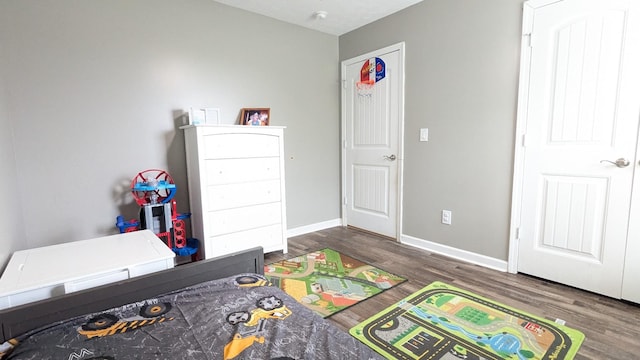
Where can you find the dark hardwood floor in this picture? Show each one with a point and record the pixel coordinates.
(612, 327)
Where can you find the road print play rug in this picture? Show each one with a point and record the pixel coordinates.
(444, 322)
(327, 281)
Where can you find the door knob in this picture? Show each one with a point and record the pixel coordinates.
(389, 157)
(621, 162)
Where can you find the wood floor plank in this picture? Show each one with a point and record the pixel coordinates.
(612, 327)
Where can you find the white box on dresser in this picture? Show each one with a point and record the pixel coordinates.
(49, 271)
(236, 187)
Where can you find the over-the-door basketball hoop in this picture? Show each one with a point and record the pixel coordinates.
(372, 71)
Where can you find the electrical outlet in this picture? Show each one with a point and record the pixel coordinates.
(446, 217)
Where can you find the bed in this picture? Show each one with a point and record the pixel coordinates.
(221, 308)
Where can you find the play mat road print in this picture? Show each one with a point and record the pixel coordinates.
(447, 323)
(327, 281)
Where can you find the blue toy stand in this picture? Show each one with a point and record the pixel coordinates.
(190, 250)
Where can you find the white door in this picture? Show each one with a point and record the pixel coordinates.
(371, 123)
(631, 278)
(582, 88)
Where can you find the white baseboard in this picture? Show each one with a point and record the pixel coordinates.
(463, 255)
(313, 227)
(455, 253)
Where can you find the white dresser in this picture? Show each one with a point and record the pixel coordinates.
(49, 271)
(236, 187)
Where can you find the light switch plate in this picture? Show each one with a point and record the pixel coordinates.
(424, 134)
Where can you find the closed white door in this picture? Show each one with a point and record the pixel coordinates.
(581, 78)
(372, 98)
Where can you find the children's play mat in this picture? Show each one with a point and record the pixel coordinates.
(444, 322)
(327, 281)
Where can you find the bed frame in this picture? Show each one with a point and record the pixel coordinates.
(20, 319)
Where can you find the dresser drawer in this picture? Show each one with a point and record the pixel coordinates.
(244, 218)
(240, 195)
(28, 296)
(269, 237)
(93, 281)
(230, 171)
(225, 146)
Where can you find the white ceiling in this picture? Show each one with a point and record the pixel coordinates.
(342, 15)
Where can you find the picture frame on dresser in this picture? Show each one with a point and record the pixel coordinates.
(255, 116)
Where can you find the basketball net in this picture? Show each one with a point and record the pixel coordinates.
(365, 88)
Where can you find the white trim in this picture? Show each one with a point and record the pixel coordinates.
(535, 4)
(313, 227)
(343, 74)
(521, 127)
(463, 255)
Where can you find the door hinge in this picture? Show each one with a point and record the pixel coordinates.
(524, 140)
(526, 38)
(344, 83)
(344, 200)
(517, 233)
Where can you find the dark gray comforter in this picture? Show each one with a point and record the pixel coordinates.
(239, 317)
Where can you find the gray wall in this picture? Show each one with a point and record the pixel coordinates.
(12, 233)
(95, 88)
(462, 60)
